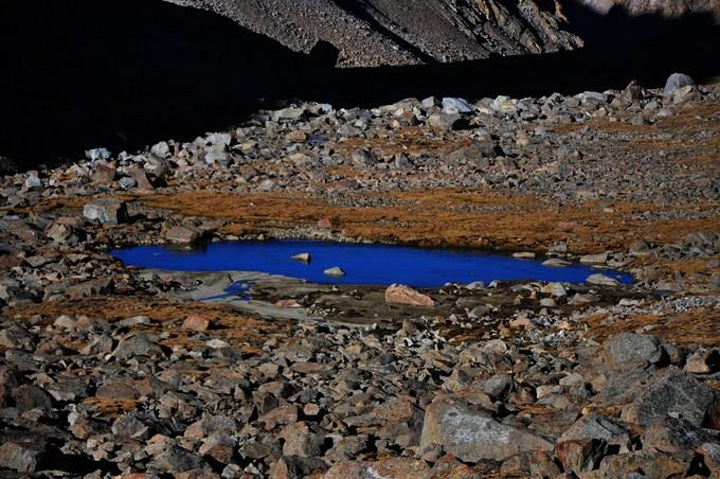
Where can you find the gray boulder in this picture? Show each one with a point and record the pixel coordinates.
(473, 435)
(182, 235)
(106, 211)
(594, 426)
(628, 349)
(452, 106)
(137, 345)
(676, 81)
(671, 392)
(98, 154)
(19, 457)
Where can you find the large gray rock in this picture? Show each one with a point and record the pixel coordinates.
(109, 212)
(628, 349)
(175, 460)
(473, 435)
(602, 280)
(671, 392)
(182, 235)
(595, 426)
(98, 154)
(19, 457)
(452, 106)
(676, 81)
(137, 345)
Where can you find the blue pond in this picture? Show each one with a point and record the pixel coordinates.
(364, 264)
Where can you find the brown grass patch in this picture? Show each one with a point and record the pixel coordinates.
(699, 326)
(111, 408)
(448, 217)
(227, 324)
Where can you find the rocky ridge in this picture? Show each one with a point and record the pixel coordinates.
(372, 33)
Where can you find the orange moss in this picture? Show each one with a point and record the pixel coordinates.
(692, 327)
(111, 408)
(449, 217)
(227, 324)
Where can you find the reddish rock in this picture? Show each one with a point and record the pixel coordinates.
(398, 420)
(703, 361)
(294, 467)
(288, 303)
(581, 455)
(396, 468)
(196, 323)
(529, 464)
(278, 416)
(301, 441)
(324, 223)
(397, 293)
(651, 463)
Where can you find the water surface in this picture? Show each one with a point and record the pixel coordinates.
(364, 264)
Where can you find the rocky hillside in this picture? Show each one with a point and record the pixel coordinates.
(383, 32)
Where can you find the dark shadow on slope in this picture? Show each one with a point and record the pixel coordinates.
(360, 9)
(127, 73)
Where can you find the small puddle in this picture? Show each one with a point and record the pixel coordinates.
(363, 264)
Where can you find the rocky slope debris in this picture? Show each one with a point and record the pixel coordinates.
(107, 370)
(372, 33)
(376, 32)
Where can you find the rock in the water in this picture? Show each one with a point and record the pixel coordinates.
(398, 293)
(335, 271)
(302, 257)
(675, 81)
(182, 235)
(556, 263)
(106, 211)
(472, 435)
(602, 280)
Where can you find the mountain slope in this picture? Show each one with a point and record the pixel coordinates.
(394, 32)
